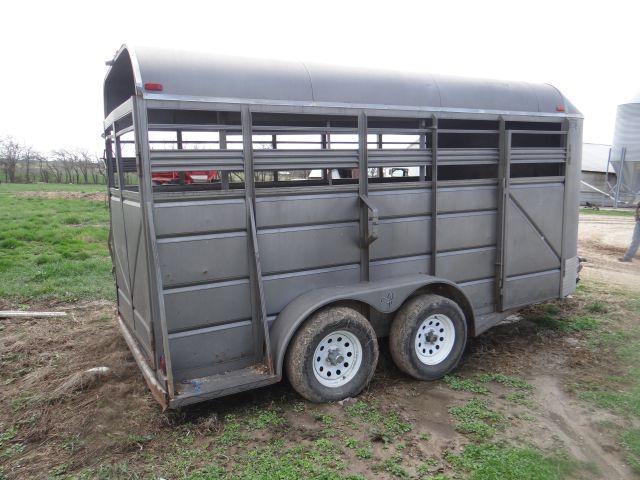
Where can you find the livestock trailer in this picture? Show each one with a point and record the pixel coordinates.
(340, 206)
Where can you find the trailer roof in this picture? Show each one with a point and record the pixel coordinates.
(209, 77)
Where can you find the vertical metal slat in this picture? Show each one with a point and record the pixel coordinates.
(434, 196)
(363, 189)
(258, 309)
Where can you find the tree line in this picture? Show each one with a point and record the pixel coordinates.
(21, 163)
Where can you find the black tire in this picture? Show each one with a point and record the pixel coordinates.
(404, 330)
(300, 358)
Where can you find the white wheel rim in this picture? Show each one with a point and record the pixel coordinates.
(434, 339)
(337, 359)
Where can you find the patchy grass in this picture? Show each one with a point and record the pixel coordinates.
(507, 380)
(476, 419)
(383, 426)
(489, 461)
(54, 249)
(392, 465)
(264, 419)
(455, 382)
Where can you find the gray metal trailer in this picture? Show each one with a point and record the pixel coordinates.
(236, 265)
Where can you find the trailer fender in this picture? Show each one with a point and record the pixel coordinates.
(386, 296)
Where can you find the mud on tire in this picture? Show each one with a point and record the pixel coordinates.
(332, 356)
(428, 336)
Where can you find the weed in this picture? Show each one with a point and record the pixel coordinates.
(364, 453)
(424, 437)
(264, 419)
(392, 465)
(475, 418)
(351, 443)
(455, 382)
(326, 420)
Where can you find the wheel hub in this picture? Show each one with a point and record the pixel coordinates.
(432, 336)
(337, 358)
(434, 339)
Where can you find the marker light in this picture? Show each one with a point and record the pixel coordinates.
(559, 108)
(153, 87)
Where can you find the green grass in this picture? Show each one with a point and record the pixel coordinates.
(54, 249)
(489, 461)
(476, 419)
(507, 380)
(455, 382)
(550, 321)
(393, 465)
(631, 442)
(50, 187)
(383, 426)
(264, 419)
(609, 213)
(277, 462)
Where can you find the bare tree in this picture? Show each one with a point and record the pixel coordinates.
(54, 167)
(85, 164)
(43, 168)
(10, 153)
(64, 159)
(29, 155)
(99, 172)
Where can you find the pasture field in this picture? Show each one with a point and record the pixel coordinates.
(553, 393)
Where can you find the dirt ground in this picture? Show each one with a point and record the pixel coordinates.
(602, 240)
(69, 423)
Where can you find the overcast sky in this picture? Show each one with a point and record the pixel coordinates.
(53, 52)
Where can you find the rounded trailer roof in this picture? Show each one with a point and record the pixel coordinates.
(209, 77)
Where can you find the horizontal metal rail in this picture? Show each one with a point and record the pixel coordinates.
(194, 127)
(399, 157)
(539, 132)
(467, 156)
(538, 155)
(185, 160)
(304, 159)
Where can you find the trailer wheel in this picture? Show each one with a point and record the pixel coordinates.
(428, 336)
(332, 356)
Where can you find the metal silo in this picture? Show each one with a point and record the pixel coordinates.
(625, 152)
